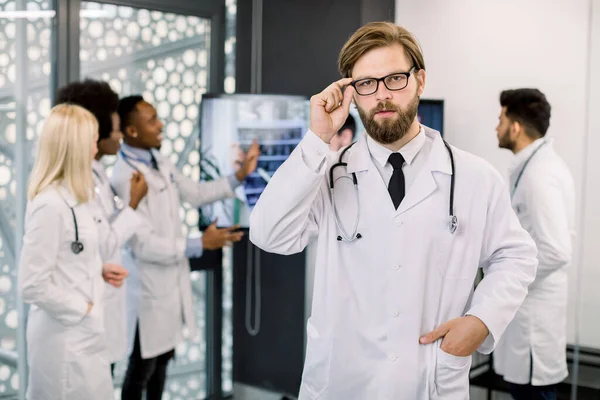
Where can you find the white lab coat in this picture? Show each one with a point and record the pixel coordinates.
(159, 292)
(66, 348)
(115, 228)
(375, 297)
(544, 201)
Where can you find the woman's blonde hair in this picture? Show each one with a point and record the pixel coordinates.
(375, 35)
(64, 152)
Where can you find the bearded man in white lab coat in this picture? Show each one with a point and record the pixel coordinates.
(532, 353)
(394, 312)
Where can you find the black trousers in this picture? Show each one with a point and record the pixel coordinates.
(530, 392)
(147, 375)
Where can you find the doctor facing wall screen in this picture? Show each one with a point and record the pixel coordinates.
(117, 223)
(159, 297)
(532, 353)
(60, 271)
(402, 222)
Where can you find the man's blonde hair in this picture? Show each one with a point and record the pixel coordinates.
(64, 153)
(375, 35)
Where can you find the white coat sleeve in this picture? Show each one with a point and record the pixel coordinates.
(549, 222)
(149, 245)
(200, 193)
(288, 211)
(39, 256)
(508, 259)
(122, 226)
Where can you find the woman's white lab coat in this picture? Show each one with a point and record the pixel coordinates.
(544, 201)
(159, 291)
(66, 350)
(375, 297)
(115, 227)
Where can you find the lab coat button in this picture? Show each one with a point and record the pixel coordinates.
(398, 221)
(393, 357)
(396, 267)
(396, 314)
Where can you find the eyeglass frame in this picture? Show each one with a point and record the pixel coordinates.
(407, 74)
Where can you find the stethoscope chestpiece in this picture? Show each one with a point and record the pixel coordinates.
(76, 247)
(453, 224)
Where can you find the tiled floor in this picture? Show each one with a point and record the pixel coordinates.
(242, 392)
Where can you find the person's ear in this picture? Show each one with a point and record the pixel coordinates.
(421, 77)
(131, 131)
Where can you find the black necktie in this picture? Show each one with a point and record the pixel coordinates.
(396, 186)
(153, 161)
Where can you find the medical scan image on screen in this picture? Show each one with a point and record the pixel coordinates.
(228, 125)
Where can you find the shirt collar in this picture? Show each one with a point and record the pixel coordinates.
(409, 151)
(137, 153)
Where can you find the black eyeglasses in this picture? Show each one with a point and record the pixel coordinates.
(397, 81)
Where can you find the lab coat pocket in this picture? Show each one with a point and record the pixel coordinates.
(88, 336)
(315, 378)
(451, 376)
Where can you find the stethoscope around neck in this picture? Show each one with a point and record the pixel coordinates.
(76, 245)
(343, 236)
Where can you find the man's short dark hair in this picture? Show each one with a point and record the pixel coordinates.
(349, 124)
(95, 96)
(127, 106)
(530, 108)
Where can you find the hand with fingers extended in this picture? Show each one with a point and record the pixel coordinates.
(330, 108)
(250, 162)
(462, 336)
(214, 238)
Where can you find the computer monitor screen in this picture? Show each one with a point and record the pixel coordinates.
(431, 114)
(228, 125)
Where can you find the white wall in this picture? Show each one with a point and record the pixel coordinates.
(474, 49)
(590, 293)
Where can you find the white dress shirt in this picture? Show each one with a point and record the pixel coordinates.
(415, 155)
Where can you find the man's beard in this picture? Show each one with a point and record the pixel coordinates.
(504, 141)
(390, 131)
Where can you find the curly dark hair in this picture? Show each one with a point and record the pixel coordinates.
(95, 96)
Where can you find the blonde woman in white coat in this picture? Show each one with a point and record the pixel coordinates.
(60, 271)
(117, 222)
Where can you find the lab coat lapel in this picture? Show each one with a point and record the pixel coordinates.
(153, 178)
(370, 181)
(425, 184)
(100, 181)
(165, 172)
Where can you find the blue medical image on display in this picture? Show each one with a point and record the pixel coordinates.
(229, 124)
(431, 114)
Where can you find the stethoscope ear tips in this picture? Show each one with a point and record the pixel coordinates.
(339, 238)
(358, 235)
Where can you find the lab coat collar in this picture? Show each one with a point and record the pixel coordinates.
(359, 156)
(439, 159)
(140, 159)
(136, 153)
(99, 170)
(409, 151)
(522, 156)
(66, 194)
